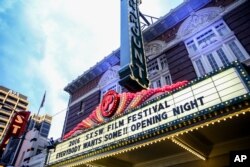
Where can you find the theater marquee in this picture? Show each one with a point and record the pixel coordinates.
(197, 98)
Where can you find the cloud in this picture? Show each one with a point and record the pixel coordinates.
(75, 36)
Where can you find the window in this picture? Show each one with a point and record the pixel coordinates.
(2, 115)
(45, 125)
(191, 47)
(2, 123)
(159, 72)
(168, 80)
(206, 39)
(45, 131)
(235, 49)
(200, 67)
(223, 57)
(212, 61)
(163, 62)
(153, 66)
(157, 64)
(81, 110)
(222, 29)
(214, 47)
(165, 79)
(158, 83)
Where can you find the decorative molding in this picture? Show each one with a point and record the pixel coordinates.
(180, 38)
(154, 48)
(199, 19)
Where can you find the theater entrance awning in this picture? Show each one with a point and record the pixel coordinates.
(199, 123)
(213, 141)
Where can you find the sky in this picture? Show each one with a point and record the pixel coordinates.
(45, 44)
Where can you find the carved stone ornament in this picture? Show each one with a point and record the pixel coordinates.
(154, 48)
(109, 76)
(197, 19)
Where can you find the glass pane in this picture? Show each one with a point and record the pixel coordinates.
(206, 39)
(158, 83)
(212, 62)
(200, 67)
(163, 60)
(153, 66)
(191, 47)
(222, 30)
(223, 57)
(168, 80)
(239, 55)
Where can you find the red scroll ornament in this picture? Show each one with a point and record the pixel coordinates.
(109, 103)
(115, 104)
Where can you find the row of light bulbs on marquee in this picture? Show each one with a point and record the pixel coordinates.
(168, 137)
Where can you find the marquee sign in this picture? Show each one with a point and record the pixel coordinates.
(114, 104)
(133, 73)
(194, 99)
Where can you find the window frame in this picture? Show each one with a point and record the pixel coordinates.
(222, 42)
(159, 74)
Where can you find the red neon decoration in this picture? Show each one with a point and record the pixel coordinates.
(115, 104)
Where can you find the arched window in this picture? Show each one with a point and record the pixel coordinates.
(157, 64)
(209, 41)
(109, 81)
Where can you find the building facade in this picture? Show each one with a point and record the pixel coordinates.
(41, 123)
(10, 101)
(197, 40)
(30, 149)
(33, 150)
(191, 41)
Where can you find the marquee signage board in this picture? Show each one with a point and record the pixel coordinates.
(205, 94)
(133, 73)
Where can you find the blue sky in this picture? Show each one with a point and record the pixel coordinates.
(45, 44)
